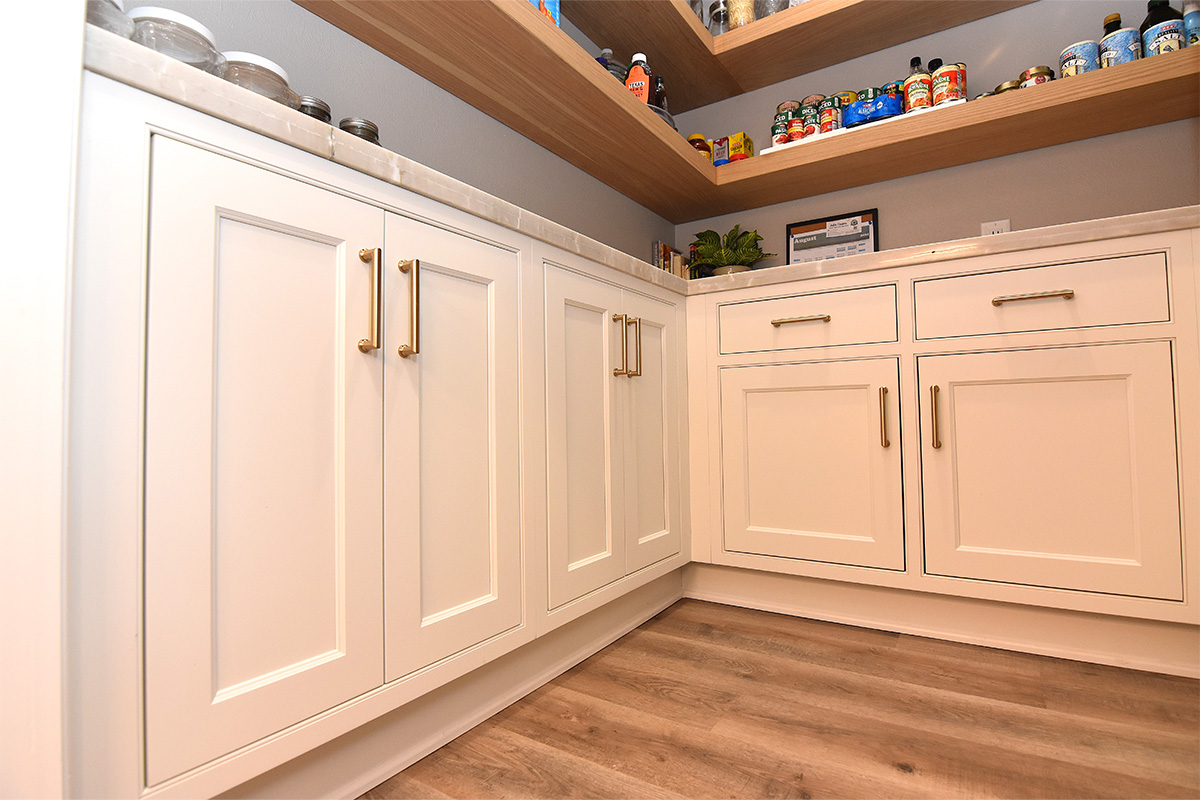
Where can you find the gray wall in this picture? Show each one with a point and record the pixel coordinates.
(419, 120)
(1140, 170)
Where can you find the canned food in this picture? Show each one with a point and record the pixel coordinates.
(918, 91)
(847, 98)
(810, 108)
(830, 114)
(1120, 47)
(1165, 37)
(962, 78)
(868, 94)
(1035, 75)
(1007, 86)
(896, 87)
(788, 106)
(779, 133)
(1079, 58)
(785, 117)
(812, 124)
(945, 85)
(795, 130)
(984, 94)
(811, 100)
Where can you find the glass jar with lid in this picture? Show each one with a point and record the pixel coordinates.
(260, 75)
(718, 18)
(176, 35)
(110, 15)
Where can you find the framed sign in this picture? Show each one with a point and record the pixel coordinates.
(833, 237)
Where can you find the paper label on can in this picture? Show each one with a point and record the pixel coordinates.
(918, 92)
(1165, 37)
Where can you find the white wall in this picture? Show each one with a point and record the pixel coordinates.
(421, 121)
(1141, 170)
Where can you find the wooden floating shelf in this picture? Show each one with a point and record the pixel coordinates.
(526, 73)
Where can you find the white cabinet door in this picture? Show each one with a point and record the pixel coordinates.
(651, 435)
(811, 462)
(452, 496)
(1054, 468)
(263, 488)
(585, 476)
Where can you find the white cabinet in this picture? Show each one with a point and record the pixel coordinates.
(811, 462)
(263, 465)
(612, 432)
(451, 470)
(1053, 468)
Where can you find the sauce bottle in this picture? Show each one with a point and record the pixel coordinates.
(660, 93)
(918, 86)
(639, 79)
(1162, 29)
(1119, 45)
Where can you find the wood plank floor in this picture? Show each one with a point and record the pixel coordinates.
(707, 700)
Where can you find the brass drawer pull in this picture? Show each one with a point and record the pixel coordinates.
(374, 257)
(1065, 294)
(810, 318)
(624, 322)
(933, 413)
(883, 437)
(406, 350)
(636, 322)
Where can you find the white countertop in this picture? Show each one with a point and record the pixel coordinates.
(132, 64)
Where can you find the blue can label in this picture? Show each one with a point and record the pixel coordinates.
(1164, 37)
(1079, 58)
(1120, 47)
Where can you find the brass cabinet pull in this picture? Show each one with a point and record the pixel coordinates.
(809, 318)
(636, 322)
(415, 318)
(933, 411)
(374, 257)
(624, 321)
(883, 437)
(1066, 294)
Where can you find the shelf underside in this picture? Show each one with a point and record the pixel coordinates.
(529, 75)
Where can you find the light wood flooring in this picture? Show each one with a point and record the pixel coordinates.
(708, 700)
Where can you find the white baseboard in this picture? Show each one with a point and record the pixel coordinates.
(369, 755)
(1166, 647)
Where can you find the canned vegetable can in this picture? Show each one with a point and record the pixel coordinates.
(1079, 58)
(788, 107)
(812, 100)
(868, 94)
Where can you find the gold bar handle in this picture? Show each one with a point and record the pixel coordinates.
(809, 318)
(933, 411)
(636, 322)
(624, 321)
(883, 437)
(374, 257)
(1065, 294)
(405, 350)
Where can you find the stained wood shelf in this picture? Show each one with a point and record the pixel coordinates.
(529, 75)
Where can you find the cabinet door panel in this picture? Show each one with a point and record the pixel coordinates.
(263, 469)
(806, 474)
(585, 490)
(651, 436)
(452, 512)
(1057, 468)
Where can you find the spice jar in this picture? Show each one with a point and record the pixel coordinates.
(698, 141)
(362, 128)
(741, 12)
(718, 18)
(1036, 75)
(316, 108)
(259, 75)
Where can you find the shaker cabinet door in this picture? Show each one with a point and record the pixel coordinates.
(811, 462)
(452, 498)
(1053, 468)
(263, 489)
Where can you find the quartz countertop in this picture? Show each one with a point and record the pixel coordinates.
(132, 64)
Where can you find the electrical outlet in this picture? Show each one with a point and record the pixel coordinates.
(999, 226)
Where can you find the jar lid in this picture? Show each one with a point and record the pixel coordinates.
(638, 57)
(308, 101)
(1111, 18)
(359, 122)
(717, 6)
(167, 15)
(255, 60)
(120, 4)
(1007, 86)
(1034, 71)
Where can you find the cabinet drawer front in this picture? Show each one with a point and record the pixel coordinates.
(855, 316)
(1082, 294)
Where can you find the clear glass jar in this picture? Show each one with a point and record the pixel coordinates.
(765, 8)
(259, 75)
(176, 35)
(718, 18)
(698, 7)
(110, 15)
(741, 12)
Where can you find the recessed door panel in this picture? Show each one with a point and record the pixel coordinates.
(452, 513)
(1056, 468)
(263, 470)
(585, 485)
(811, 462)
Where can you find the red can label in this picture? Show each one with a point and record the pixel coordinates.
(946, 86)
(918, 91)
(795, 130)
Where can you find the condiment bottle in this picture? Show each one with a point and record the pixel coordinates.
(918, 86)
(1191, 22)
(1162, 29)
(1119, 45)
(639, 79)
(1112, 23)
(660, 93)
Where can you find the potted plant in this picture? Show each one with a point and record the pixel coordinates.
(737, 252)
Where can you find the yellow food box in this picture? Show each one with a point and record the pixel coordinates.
(740, 146)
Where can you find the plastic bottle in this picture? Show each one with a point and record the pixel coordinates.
(918, 86)
(660, 93)
(640, 80)
(1162, 29)
(1191, 22)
